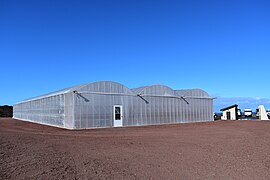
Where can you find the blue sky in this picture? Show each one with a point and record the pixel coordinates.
(222, 47)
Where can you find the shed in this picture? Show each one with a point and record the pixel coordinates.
(230, 112)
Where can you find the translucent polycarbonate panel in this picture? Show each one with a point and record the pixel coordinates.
(69, 110)
(159, 90)
(91, 106)
(105, 87)
(98, 111)
(49, 110)
(192, 93)
(139, 89)
(94, 104)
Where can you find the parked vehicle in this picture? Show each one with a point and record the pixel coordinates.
(248, 112)
(217, 116)
(257, 113)
(239, 113)
(268, 113)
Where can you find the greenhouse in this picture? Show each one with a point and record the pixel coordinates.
(110, 104)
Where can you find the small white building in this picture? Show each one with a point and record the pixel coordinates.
(230, 113)
(262, 113)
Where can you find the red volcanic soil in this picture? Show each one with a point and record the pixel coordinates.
(214, 150)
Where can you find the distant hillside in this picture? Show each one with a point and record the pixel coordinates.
(6, 111)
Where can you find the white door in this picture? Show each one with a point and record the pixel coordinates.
(117, 116)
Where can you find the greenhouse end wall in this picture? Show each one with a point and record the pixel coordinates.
(92, 106)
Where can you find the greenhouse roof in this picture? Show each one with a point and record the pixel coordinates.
(153, 89)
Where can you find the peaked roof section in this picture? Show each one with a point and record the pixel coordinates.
(110, 86)
(156, 89)
(229, 107)
(193, 93)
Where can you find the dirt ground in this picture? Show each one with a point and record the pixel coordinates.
(214, 150)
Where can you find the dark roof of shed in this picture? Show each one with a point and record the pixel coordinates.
(229, 107)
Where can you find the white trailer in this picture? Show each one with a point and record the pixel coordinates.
(248, 112)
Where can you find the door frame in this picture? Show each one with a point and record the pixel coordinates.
(119, 122)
